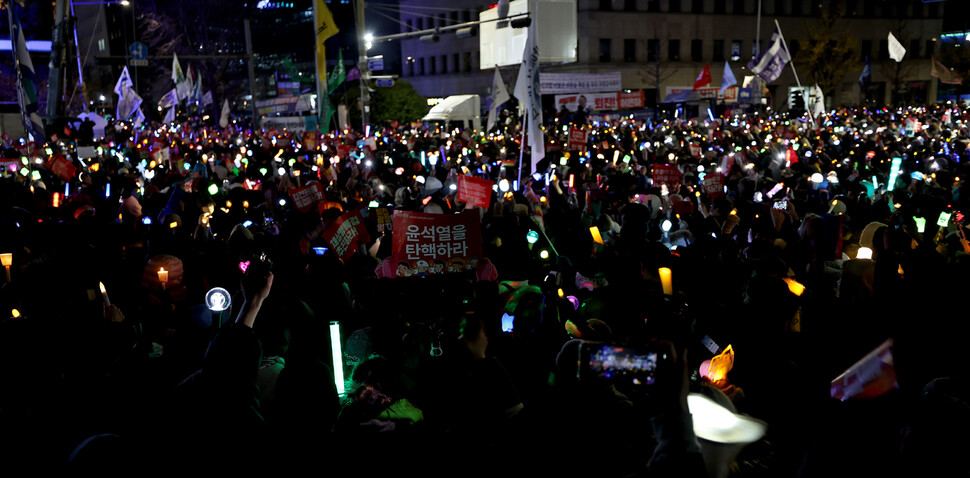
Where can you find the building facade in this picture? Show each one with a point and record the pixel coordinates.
(662, 45)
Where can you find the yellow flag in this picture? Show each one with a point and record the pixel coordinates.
(326, 28)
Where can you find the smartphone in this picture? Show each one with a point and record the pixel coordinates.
(507, 322)
(618, 363)
(781, 205)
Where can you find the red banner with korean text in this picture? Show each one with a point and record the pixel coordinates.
(577, 139)
(345, 233)
(306, 197)
(666, 174)
(713, 185)
(428, 244)
(474, 191)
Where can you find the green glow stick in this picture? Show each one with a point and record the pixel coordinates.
(920, 224)
(338, 358)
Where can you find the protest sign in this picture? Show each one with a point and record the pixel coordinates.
(695, 150)
(382, 218)
(304, 198)
(344, 234)
(870, 377)
(666, 174)
(577, 139)
(63, 168)
(713, 185)
(426, 244)
(474, 191)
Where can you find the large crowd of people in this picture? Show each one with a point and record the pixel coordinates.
(171, 291)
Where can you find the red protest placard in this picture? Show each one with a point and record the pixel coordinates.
(695, 150)
(344, 234)
(577, 139)
(713, 185)
(666, 174)
(343, 151)
(307, 196)
(426, 244)
(474, 191)
(63, 168)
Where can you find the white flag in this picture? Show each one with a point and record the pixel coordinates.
(499, 96)
(169, 116)
(207, 99)
(896, 50)
(179, 78)
(139, 116)
(224, 117)
(818, 107)
(170, 99)
(770, 63)
(123, 83)
(527, 92)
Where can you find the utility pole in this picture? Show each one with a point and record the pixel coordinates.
(58, 62)
(252, 73)
(362, 65)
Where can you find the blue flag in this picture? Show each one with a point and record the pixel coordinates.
(728, 80)
(771, 61)
(26, 80)
(865, 79)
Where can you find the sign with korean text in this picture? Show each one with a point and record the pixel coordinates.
(600, 101)
(730, 94)
(345, 233)
(553, 83)
(713, 185)
(306, 197)
(427, 244)
(474, 191)
(382, 217)
(577, 139)
(666, 174)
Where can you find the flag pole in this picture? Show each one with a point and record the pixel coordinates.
(792, 63)
(525, 119)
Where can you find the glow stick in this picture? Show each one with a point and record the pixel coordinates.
(666, 280)
(893, 172)
(794, 287)
(944, 219)
(337, 355)
(920, 224)
(597, 238)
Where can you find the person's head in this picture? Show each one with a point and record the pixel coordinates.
(472, 335)
(582, 101)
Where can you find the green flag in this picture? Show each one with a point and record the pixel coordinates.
(338, 74)
(328, 111)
